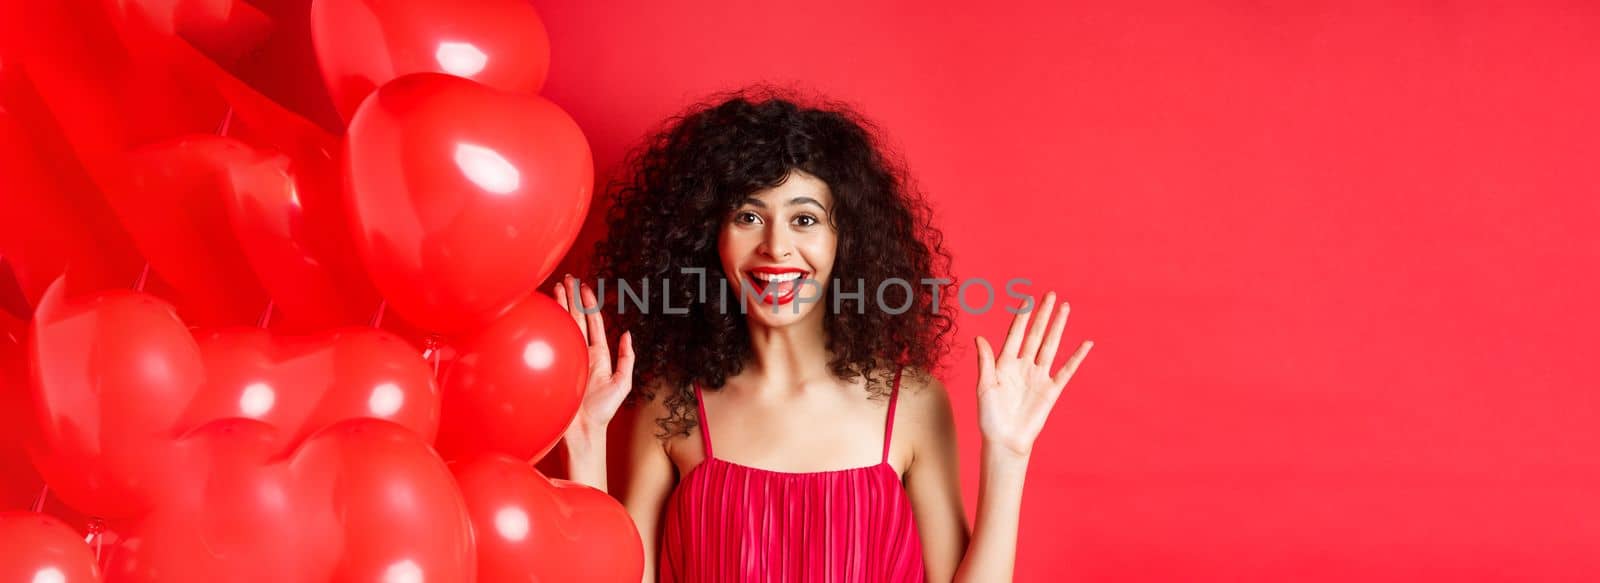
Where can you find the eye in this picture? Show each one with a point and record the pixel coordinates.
(746, 217)
(807, 220)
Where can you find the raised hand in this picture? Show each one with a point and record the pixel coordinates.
(607, 387)
(1016, 390)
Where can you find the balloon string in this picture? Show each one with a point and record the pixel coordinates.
(96, 535)
(144, 275)
(430, 351)
(227, 122)
(377, 317)
(266, 316)
(44, 494)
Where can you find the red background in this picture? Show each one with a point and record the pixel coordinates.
(1337, 257)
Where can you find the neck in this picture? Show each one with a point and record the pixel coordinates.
(789, 357)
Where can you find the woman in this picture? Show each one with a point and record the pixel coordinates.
(807, 372)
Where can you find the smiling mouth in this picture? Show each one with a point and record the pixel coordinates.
(778, 289)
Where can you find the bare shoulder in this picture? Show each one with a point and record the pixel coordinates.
(655, 413)
(924, 404)
(921, 390)
(649, 409)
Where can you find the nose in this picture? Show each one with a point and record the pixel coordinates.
(777, 244)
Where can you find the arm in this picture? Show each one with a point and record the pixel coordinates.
(586, 456)
(933, 479)
(651, 472)
(1015, 395)
(651, 481)
(651, 475)
(952, 551)
(993, 553)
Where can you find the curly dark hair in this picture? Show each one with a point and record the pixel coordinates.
(683, 181)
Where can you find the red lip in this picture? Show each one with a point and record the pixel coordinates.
(777, 270)
(761, 286)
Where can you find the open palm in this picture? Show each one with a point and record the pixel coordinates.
(1016, 390)
(605, 388)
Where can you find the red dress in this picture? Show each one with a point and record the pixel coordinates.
(730, 522)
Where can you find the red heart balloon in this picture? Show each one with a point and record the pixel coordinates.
(297, 240)
(514, 385)
(316, 225)
(222, 29)
(217, 39)
(362, 500)
(173, 206)
(105, 94)
(532, 528)
(402, 516)
(238, 512)
(300, 384)
(494, 190)
(248, 113)
(110, 375)
(117, 378)
(363, 44)
(286, 217)
(40, 548)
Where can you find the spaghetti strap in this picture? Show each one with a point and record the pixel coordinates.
(888, 424)
(705, 424)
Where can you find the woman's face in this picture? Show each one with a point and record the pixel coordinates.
(773, 238)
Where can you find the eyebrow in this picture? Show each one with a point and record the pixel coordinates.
(793, 201)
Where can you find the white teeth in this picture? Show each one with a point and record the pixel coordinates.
(778, 278)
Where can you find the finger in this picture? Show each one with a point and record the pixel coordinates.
(569, 288)
(1052, 338)
(573, 301)
(1019, 324)
(561, 293)
(597, 324)
(625, 358)
(985, 362)
(1065, 374)
(596, 327)
(1030, 346)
